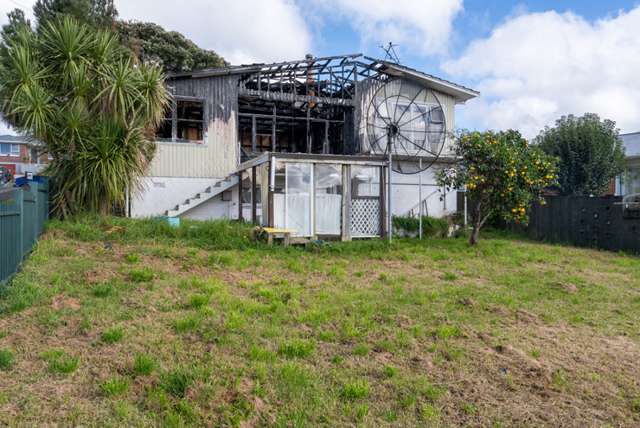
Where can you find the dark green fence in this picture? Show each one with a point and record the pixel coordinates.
(23, 212)
(586, 222)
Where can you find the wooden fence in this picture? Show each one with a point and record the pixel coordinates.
(23, 212)
(585, 221)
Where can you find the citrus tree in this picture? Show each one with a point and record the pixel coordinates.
(502, 175)
(77, 90)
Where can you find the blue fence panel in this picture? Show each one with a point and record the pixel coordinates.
(29, 226)
(23, 212)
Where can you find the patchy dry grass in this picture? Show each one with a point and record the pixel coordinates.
(116, 322)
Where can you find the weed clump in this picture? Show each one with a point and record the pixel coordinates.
(112, 335)
(143, 365)
(6, 359)
(115, 386)
(60, 362)
(296, 349)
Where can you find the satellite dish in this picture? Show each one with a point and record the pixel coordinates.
(406, 121)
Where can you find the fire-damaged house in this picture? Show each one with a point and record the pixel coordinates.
(292, 145)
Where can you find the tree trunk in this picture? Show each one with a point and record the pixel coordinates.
(475, 234)
(476, 220)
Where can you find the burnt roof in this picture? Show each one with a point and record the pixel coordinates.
(365, 65)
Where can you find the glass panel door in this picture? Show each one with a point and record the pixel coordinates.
(298, 198)
(328, 199)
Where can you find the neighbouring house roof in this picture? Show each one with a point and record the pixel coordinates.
(16, 139)
(365, 66)
(631, 144)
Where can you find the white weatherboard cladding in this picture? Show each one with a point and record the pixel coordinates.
(406, 194)
(217, 156)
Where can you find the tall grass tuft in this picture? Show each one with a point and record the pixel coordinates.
(210, 235)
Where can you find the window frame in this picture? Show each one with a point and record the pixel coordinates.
(174, 120)
(11, 152)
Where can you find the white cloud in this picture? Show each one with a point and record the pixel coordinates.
(242, 31)
(535, 67)
(5, 129)
(8, 6)
(425, 25)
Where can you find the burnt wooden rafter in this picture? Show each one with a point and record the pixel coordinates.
(306, 96)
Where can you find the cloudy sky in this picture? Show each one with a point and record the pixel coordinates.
(532, 61)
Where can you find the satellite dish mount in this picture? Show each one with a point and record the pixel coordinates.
(405, 122)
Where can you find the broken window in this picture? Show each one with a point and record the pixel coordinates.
(183, 121)
(190, 118)
(164, 131)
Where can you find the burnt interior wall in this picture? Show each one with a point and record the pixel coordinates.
(298, 127)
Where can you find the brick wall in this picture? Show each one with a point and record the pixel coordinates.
(24, 155)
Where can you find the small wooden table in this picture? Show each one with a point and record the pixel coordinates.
(284, 234)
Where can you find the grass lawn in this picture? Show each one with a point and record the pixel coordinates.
(118, 322)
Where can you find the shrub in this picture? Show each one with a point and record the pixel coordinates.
(431, 227)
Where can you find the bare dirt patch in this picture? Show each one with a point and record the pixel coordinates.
(576, 379)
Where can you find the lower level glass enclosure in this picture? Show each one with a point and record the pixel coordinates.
(315, 196)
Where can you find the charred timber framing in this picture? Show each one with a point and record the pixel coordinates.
(310, 105)
(308, 100)
(289, 97)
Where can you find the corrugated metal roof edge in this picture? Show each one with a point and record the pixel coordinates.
(426, 75)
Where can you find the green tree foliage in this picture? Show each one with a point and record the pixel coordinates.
(152, 43)
(17, 20)
(589, 150)
(76, 89)
(503, 175)
(97, 13)
(148, 41)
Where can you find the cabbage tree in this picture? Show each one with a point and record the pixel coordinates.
(79, 91)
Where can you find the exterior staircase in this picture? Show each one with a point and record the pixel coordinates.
(415, 210)
(203, 196)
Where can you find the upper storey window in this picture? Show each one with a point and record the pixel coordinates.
(183, 121)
